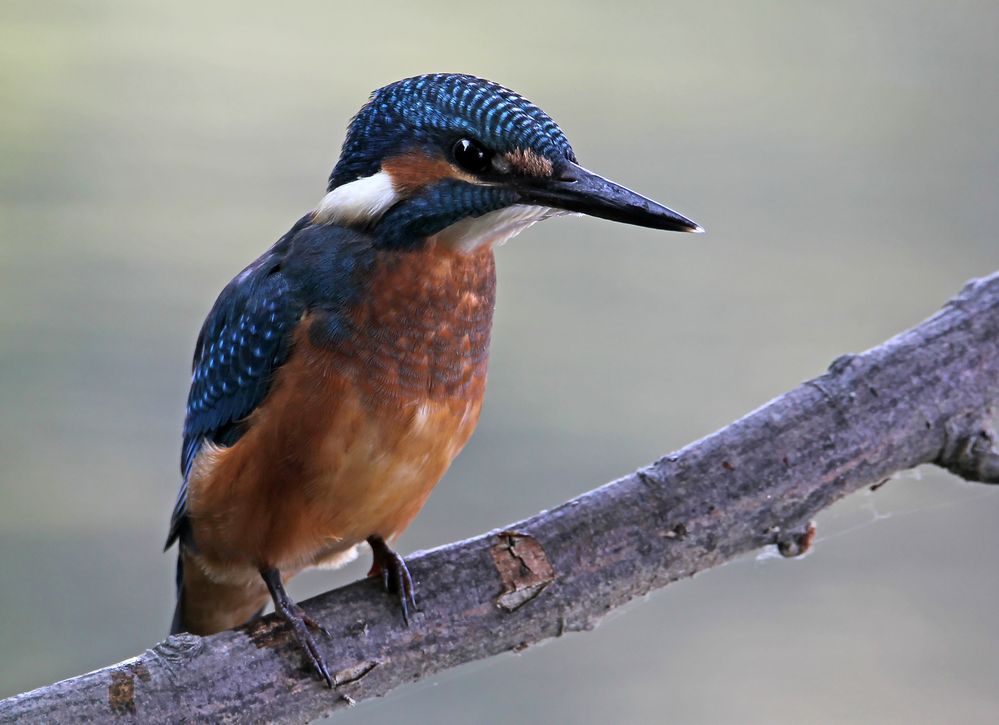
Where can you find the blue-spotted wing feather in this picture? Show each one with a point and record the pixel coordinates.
(243, 341)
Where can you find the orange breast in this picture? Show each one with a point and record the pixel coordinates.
(354, 435)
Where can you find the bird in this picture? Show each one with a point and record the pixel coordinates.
(339, 374)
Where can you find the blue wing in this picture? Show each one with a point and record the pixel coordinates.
(244, 340)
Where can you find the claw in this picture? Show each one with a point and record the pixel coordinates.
(300, 622)
(315, 625)
(395, 575)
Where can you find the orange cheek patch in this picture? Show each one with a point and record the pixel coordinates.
(411, 172)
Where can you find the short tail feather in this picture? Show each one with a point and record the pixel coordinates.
(205, 606)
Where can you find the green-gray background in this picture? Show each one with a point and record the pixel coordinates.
(844, 158)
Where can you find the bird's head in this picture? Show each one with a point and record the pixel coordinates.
(468, 162)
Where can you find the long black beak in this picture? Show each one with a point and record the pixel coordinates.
(575, 189)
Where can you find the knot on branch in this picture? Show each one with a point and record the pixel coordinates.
(523, 566)
(969, 448)
(797, 541)
(175, 653)
(842, 363)
(178, 648)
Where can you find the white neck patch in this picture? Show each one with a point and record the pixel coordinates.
(496, 227)
(359, 202)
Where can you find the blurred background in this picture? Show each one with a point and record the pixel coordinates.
(843, 157)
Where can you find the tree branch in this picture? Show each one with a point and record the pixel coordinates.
(925, 396)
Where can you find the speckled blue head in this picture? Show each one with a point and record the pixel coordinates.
(464, 161)
(439, 109)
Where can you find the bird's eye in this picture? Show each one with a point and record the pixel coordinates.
(471, 155)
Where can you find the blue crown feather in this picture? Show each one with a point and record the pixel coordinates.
(434, 108)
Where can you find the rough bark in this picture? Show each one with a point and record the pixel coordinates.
(925, 396)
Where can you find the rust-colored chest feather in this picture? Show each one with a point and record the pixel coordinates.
(422, 328)
(362, 420)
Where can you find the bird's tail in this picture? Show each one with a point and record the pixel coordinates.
(205, 606)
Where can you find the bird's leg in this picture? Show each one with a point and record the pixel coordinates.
(395, 575)
(299, 622)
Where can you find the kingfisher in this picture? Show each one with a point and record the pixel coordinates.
(339, 374)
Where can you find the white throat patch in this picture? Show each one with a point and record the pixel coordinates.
(359, 202)
(496, 227)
